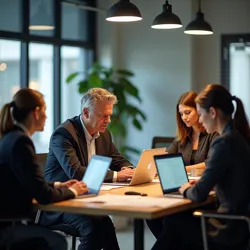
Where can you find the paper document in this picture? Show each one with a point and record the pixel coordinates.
(132, 201)
(108, 187)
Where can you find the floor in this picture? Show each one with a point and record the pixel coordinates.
(125, 238)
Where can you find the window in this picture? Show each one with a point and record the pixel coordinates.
(41, 79)
(72, 61)
(9, 70)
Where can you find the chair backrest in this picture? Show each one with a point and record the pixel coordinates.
(42, 158)
(159, 142)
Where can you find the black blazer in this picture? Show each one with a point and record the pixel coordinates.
(68, 156)
(21, 177)
(228, 170)
(205, 141)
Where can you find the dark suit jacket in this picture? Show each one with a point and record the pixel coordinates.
(21, 177)
(205, 141)
(68, 156)
(228, 170)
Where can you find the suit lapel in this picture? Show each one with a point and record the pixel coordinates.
(100, 146)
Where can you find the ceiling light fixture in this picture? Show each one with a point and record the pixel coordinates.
(123, 11)
(199, 26)
(167, 19)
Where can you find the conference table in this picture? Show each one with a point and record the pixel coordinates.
(137, 213)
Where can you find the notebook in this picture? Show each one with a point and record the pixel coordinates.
(145, 170)
(95, 174)
(172, 173)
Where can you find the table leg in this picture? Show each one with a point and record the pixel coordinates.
(138, 234)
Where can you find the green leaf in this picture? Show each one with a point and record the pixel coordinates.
(71, 77)
(137, 124)
(125, 72)
(116, 127)
(130, 88)
(94, 81)
(83, 86)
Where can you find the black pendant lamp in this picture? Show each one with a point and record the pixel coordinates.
(123, 11)
(199, 26)
(167, 19)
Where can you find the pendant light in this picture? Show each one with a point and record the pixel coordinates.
(199, 26)
(41, 20)
(167, 19)
(123, 11)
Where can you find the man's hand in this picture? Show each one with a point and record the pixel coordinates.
(80, 187)
(125, 174)
(67, 183)
(184, 187)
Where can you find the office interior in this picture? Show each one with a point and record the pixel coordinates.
(166, 63)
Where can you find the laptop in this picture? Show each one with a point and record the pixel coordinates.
(145, 170)
(95, 174)
(172, 173)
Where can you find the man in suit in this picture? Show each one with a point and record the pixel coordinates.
(71, 147)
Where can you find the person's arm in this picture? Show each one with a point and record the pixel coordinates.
(28, 172)
(173, 148)
(217, 164)
(198, 165)
(63, 146)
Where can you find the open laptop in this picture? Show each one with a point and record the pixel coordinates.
(172, 173)
(95, 174)
(145, 170)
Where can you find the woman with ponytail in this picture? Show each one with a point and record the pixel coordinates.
(227, 171)
(21, 177)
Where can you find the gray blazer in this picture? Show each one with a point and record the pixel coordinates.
(228, 170)
(186, 149)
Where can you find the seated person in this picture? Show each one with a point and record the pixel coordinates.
(191, 140)
(227, 169)
(21, 176)
(71, 146)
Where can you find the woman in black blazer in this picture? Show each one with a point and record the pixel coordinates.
(227, 170)
(21, 178)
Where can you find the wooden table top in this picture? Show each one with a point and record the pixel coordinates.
(152, 190)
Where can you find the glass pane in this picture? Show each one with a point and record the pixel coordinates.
(41, 79)
(73, 60)
(74, 23)
(41, 17)
(9, 70)
(10, 15)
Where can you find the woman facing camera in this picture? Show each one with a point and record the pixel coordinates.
(22, 179)
(191, 138)
(227, 170)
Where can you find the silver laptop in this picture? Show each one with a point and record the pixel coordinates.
(95, 174)
(145, 170)
(172, 173)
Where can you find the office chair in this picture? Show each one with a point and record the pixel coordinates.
(243, 244)
(160, 142)
(65, 229)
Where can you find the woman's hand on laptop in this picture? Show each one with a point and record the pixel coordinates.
(184, 187)
(79, 187)
(125, 174)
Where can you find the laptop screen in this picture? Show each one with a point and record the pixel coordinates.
(171, 171)
(95, 172)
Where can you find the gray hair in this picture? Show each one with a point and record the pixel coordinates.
(94, 95)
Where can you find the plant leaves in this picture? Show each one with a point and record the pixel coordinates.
(137, 124)
(71, 77)
(94, 81)
(125, 72)
(130, 88)
(83, 86)
(126, 148)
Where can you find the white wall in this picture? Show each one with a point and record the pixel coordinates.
(167, 63)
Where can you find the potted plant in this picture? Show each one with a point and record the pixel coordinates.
(118, 82)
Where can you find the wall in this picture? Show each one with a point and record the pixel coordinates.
(168, 62)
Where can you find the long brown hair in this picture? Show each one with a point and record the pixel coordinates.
(187, 99)
(215, 95)
(24, 101)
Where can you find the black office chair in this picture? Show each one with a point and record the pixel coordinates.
(160, 141)
(65, 229)
(228, 241)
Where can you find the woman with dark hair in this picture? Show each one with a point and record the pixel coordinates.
(191, 138)
(22, 179)
(227, 170)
